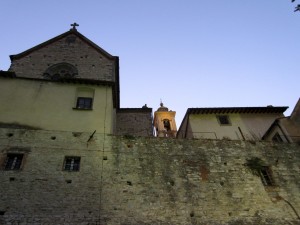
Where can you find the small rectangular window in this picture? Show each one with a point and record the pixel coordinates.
(84, 98)
(223, 120)
(13, 161)
(84, 103)
(72, 163)
(266, 176)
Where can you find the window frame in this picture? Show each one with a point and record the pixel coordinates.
(88, 107)
(84, 93)
(221, 122)
(72, 167)
(266, 176)
(167, 124)
(14, 161)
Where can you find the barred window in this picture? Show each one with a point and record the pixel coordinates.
(266, 176)
(72, 163)
(13, 161)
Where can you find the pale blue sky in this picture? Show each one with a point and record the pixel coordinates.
(193, 53)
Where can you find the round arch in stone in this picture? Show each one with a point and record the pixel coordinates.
(61, 71)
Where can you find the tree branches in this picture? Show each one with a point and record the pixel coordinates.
(297, 8)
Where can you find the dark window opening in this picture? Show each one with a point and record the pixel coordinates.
(84, 103)
(223, 120)
(72, 163)
(266, 176)
(277, 138)
(13, 161)
(167, 125)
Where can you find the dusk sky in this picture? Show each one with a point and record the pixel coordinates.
(193, 53)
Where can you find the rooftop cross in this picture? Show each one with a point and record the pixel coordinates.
(74, 25)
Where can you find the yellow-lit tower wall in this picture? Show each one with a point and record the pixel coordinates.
(164, 122)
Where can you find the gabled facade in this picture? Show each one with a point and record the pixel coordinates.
(285, 129)
(66, 83)
(233, 123)
(70, 155)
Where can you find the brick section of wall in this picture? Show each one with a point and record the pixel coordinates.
(89, 62)
(143, 181)
(134, 121)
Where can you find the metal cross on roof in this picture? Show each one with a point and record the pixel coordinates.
(74, 25)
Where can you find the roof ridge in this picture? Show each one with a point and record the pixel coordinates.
(58, 37)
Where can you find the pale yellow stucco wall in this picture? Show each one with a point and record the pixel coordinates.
(258, 124)
(50, 106)
(252, 126)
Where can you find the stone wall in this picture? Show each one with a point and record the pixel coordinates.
(139, 181)
(91, 64)
(134, 121)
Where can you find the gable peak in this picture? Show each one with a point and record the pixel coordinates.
(74, 25)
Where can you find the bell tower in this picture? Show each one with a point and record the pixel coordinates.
(164, 122)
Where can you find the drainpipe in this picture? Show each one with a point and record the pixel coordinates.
(242, 134)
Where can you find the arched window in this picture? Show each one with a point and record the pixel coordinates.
(167, 124)
(61, 71)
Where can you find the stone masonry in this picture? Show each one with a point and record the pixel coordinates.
(142, 181)
(91, 64)
(134, 121)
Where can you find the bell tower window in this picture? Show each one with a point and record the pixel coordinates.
(167, 125)
(164, 122)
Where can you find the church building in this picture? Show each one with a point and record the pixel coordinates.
(69, 154)
(68, 83)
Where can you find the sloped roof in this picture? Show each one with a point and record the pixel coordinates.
(224, 110)
(71, 31)
(271, 128)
